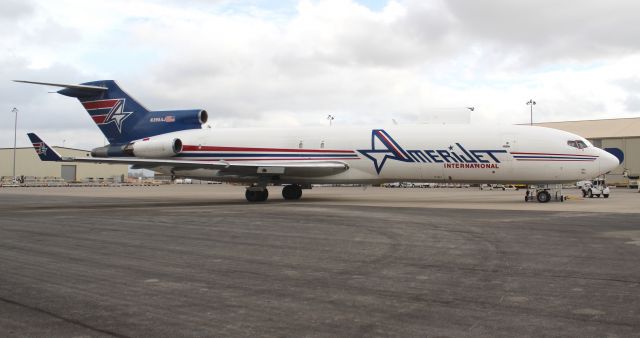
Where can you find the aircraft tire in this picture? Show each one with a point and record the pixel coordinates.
(543, 196)
(264, 194)
(292, 192)
(256, 196)
(590, 194)
(251, 196)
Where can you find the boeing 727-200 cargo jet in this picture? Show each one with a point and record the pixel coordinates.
(174, 142)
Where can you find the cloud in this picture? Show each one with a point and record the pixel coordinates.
(291, 63)
(14, 10)
(546, 30)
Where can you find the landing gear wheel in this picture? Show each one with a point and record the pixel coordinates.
(590, 194)
(543, 196)
(292, 192)
(256, 195)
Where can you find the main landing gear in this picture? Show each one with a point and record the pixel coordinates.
(260, 194)
(292, 192)
(253, 195)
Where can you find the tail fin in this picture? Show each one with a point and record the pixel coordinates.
(113, 111)
(45, 152)
(120, 117)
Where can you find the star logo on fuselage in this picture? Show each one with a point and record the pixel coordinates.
(117, 115)
(383, 148)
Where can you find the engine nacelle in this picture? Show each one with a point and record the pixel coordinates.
(154, 148)
(190, 117)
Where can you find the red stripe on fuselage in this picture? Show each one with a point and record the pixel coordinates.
(557, 159)
(280, 150)
(99, 104)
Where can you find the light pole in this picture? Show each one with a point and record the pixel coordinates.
(531, 103)
(15, 131)
(330, 118)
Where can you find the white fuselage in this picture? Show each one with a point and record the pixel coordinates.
(427, 153)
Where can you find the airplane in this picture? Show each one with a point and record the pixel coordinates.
(176, 143)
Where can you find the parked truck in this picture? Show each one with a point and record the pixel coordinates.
(595, 188)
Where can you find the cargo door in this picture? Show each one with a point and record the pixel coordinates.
(506, 167)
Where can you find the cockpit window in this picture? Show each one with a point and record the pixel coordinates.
(577, 144)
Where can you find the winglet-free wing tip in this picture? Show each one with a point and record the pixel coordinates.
(45, 152)
(65, 85)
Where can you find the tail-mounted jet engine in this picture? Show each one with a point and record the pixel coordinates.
(154, 148)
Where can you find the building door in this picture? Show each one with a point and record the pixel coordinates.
(68, 172)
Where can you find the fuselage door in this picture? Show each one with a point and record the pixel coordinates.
(506, 165)
(510, 144)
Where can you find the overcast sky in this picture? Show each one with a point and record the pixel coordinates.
(290, 63)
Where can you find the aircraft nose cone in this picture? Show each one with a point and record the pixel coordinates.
(608, 162)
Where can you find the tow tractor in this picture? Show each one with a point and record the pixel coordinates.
(596, 188)
(545, 193)
(634, 180)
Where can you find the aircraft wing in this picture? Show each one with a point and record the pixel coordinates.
(306, 169)
(298, 169)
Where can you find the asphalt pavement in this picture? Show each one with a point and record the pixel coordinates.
(121, 266)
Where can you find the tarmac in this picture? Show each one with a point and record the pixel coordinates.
(200, 261)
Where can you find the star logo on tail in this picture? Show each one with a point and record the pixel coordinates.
(41, 148)
(117, 115)
(383, 148)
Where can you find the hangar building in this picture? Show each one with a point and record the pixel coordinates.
(28, 164)
(620, 137)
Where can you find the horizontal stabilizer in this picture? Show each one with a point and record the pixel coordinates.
(74, 86)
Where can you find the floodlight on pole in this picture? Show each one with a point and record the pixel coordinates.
(531, 103)
(330, 118)
(15, 133)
